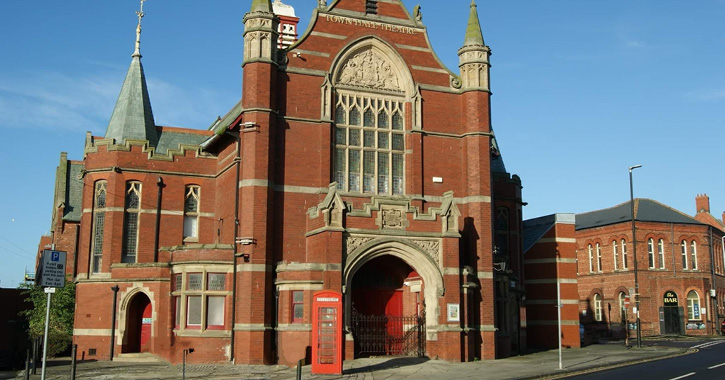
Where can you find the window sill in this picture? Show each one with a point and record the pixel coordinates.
(203, 333)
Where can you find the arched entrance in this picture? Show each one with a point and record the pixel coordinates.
(391, 298)
(138, 324)
(387, 309)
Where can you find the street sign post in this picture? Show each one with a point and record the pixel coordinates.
(52, 275)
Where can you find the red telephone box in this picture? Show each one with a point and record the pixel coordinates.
(327, 332)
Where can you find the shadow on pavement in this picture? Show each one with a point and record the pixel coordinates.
(388, 364)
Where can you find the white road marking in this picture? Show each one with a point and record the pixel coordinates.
(683, 376)
(717, 365)
(707, 344)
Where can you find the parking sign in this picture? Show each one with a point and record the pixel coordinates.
(53, 270)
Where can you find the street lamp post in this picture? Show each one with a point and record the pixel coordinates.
(634, 251)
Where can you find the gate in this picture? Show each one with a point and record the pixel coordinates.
(388, 335)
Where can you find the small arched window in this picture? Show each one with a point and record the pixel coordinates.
(130, 223)
(622, 308)
(693, 254)
(683, 246)
(693, 306)
(191, 213)
(661, 252)
(598, 307)
(615, 254)
(591, 258)
(624, 254)
(599, 258)
(99, 221)
(651, 252)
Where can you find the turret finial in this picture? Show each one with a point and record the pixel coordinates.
(140, 14)
(474, 36)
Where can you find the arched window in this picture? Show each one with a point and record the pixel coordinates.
(598, 307)
(615, 254)
(591, 258)
(661, 252)
(651, 252)
(130, 223)
(369, 150)
(693, 306)
(624, 254)
(622, 309)
(99, 221)
(599, 258)
(683, 245)
(191, 213)
(693, 254)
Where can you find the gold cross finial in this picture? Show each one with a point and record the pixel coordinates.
(140, 14)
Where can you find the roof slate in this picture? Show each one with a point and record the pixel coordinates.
(172, 140)
(646, 210)
(132, 117)
(74, 193)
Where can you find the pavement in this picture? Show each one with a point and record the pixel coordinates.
(537, 365)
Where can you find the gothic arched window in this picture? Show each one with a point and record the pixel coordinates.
(369, 142)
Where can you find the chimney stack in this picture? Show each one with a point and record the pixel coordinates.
(702, 203)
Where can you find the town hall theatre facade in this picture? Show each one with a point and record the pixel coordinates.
(354, 162)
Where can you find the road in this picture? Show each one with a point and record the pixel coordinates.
(707, 363)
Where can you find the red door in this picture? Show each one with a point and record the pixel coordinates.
(146, 328)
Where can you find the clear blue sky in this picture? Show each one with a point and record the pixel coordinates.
(582, 90)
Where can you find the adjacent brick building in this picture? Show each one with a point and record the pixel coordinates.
(355, 161)
(681, 272)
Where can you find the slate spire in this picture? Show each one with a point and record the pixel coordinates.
(474, 36)
(132, 117)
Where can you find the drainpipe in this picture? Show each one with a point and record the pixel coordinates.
(712, 284)
(75, 251)
(160, 184)
(237, 161)
(115, 289)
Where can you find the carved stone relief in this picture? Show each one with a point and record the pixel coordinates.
(431, 247)
(392, 218)
(352, 243)
(369, 69)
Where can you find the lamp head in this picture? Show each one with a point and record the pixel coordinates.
(634, 167)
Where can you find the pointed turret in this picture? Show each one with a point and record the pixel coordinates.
(473, 55)
(474, 36)
(132, 117)
(260, 32)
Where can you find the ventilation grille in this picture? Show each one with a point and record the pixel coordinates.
(371, 7)
(91, 352)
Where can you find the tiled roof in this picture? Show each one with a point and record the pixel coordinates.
(73, 193)
(645, 210)
(535, 229)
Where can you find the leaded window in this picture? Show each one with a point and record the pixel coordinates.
(369, 141)
(201, 302)
(191, 213)
(99, 221)
(131, 220)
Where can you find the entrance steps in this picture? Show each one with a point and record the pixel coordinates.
(142, 357)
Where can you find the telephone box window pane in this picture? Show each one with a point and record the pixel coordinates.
(215, 311)
(193, 311)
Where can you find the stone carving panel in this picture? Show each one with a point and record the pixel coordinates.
(392, 218)
(369, 69)
(431, 247)
(352, 243)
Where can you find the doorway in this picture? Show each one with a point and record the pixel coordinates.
(138, 325)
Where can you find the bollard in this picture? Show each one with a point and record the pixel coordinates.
(33, 371)
(73, 362)
(299, 369)
(27, 364)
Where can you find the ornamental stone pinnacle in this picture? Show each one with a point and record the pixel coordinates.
(140, 14)
(473, 56)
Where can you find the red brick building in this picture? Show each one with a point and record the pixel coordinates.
(550, 261)
(681, 271)
(355, 161)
